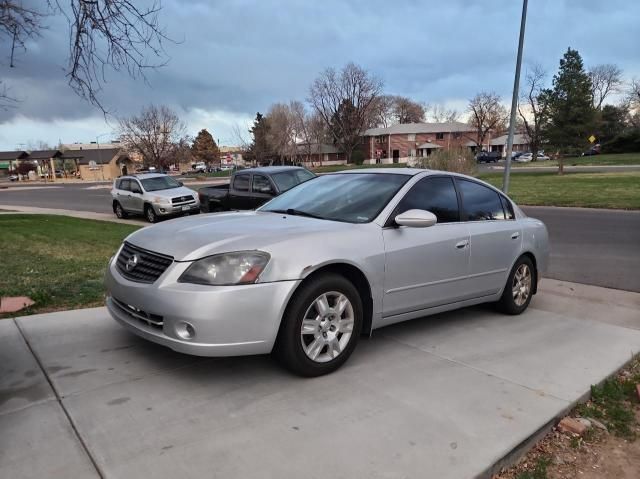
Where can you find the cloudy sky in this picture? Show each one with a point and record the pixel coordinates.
(236, 57)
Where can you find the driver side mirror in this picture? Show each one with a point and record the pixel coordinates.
(416, 219)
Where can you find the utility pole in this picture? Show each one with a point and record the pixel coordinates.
(514, 100)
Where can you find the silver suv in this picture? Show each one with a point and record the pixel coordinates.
(153, 195)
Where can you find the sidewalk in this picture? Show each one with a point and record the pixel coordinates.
(87, 215)
(449, 396)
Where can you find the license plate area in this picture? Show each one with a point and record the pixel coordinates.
(186, 208)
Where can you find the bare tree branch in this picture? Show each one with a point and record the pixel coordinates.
(487, 114)
(605, 79)
(535, 111)
(155, 134)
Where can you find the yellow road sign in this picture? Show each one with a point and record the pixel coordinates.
(592, 139)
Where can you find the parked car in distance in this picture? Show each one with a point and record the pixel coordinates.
(200, 167)
(226, 167)
(333, 258)
(528, 156)
(251, 188)
(488, 157)
(13, 178)
(594, 150)
(153, 195)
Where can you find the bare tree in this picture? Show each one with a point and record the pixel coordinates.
(281, 136)
(115, 34)
(633, 102)
(155, 134)
(406, 110)
(487, 114)
(382, 115)
(344, 100)
(534, 113)
(605, 79)
(438, 113)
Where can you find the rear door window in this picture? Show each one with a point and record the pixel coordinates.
(479, 202)
(508, 208)
(241, 183)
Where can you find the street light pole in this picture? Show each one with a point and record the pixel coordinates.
(514, 100)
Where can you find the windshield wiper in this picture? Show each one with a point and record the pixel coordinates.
(293, 212)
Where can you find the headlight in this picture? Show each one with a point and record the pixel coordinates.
(160, 199)
(241, 267)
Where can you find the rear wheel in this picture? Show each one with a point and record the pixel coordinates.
(518, 291)
(119, 211)
(321, 326)
(150, 214)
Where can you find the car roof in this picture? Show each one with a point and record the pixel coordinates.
(143, 176)
(270, 169)
(394, 171)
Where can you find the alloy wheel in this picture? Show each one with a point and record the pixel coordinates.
(327, 327)
(521, 287)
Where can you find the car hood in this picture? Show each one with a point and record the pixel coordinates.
(195, 237)
(173, 192)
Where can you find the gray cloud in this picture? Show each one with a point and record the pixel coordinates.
(238, 57)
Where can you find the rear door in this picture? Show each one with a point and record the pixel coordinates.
(123, 193)
(239, 192)
(495, 237)
(426, 267)
(135, 198)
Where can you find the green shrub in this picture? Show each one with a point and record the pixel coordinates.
(458, 160)
(357, 157)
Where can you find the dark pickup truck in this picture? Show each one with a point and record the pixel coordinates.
(251, 188)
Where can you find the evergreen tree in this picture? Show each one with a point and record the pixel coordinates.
(259, 150)
(570, 106)
(204, 148)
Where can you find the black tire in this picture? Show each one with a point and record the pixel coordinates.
(119, 211)
(150, 214)
(508, 303)
(289, 344)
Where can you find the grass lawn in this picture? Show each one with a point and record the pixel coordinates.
(333, 168)
(590, 190)
(597, 160)
(57, 261)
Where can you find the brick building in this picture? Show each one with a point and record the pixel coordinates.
(403, 143)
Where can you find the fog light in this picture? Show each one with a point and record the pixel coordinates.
(161, 210)
(185, 330)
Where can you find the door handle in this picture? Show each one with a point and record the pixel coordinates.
(462, 244)
(515, 235)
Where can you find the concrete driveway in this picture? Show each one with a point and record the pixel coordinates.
(447, 396)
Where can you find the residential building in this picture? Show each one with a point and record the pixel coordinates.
(231, 155)
(9, 160)
(99, 164)
(315, 154)
(520, 143)
(405, 142)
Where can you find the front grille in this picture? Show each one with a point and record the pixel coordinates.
(153, 320)
(182, 199)
(143, 266)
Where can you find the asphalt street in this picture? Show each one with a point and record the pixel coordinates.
(598, 247)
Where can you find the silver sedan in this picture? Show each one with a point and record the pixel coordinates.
(328, 261)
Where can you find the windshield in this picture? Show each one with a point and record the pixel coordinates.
(160, 183)
(349, 197)
(288, 179)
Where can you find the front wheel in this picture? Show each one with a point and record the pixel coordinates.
(518, 291)
(150, 214)
(321, 326)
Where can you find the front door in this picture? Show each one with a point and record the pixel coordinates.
(261, 190)
(426, 267)
(396, 156)
(495, 237)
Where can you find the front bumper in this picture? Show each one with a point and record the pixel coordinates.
(228, 320)
(163, 209)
